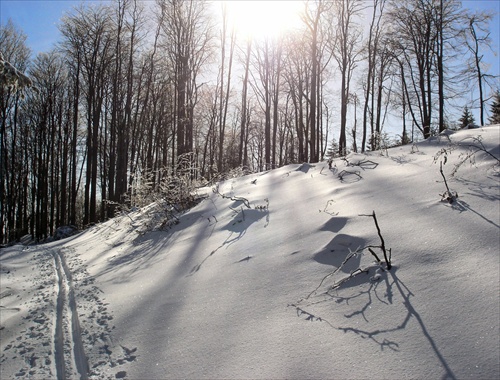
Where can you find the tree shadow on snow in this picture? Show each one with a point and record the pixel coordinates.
(374, 285)
(237, 227)
(147, 248)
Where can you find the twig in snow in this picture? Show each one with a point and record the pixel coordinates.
(337, 284)
(363, 164)
(331, 201)
(472, 148)
(448, 195)
(236, 199)
(387, 252)
(348, 257)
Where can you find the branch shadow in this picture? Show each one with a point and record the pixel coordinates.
(480, 190)
(237, 228)
(392, 283)
(462, 206)
(402, 159)
(365, 164)
(347, 176)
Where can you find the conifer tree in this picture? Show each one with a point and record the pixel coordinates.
(466, 118)
(495, 109)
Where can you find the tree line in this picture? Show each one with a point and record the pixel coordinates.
(139, 93)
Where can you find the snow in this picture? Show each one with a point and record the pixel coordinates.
(237, 292)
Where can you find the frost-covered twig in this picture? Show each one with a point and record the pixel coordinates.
(12, 78)
(387, 256)
(263, 207)
(331, 201)
(236, 199)
(448, 195)
(355, 272)
(473, 147)
(348, 257)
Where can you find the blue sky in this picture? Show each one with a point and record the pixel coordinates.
(37, 18)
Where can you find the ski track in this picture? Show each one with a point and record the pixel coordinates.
(65, 331)
(68, 333)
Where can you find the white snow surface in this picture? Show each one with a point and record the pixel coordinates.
(232, 292)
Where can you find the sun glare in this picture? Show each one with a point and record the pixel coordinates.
(260, 19)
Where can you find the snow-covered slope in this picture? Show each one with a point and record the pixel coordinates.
(253, 292)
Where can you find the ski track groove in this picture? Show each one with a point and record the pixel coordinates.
(59, 335)
(64, 329)
(66, 301)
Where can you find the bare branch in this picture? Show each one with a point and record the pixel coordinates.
(236, 199)
(387, 252)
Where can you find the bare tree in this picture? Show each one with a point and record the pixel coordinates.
(346, 51)
(413, 44)
(15, 53)
(447, 16)
(244, 119)
(188, 33)
(312, 16)
(296, 76)
(267, 62)
(47, 113)
(372, 50)
(224, 92)
(477, 38)
(88, 31)
(72, 51)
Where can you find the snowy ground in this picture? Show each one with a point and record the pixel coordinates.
(237, 292)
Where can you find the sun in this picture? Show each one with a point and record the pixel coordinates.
(259, 19)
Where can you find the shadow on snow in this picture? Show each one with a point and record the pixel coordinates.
(383, 289)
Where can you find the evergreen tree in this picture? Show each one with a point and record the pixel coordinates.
(333, 149)
(466, 119)
(495, 109)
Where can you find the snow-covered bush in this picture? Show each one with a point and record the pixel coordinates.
(12, 78)
(168, 193)
(472, 145)
(176, 189)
